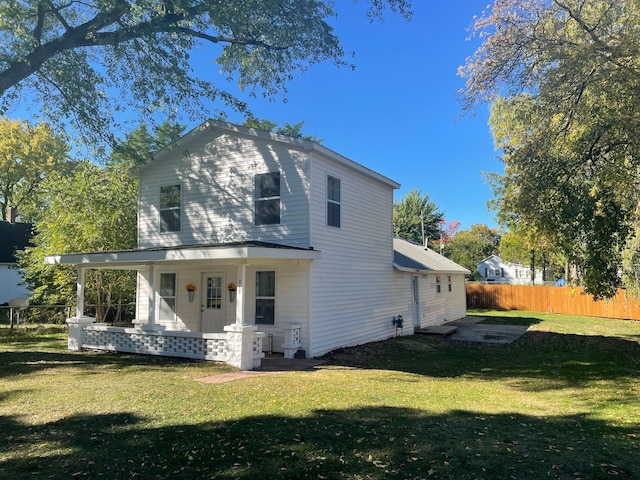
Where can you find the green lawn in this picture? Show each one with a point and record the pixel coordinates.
(561, 402)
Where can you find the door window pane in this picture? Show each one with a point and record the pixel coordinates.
(214, 293)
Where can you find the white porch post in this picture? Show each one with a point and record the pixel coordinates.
(77, 323)
(240, 296)
(151, 313)
(80, 293)
(241, 335)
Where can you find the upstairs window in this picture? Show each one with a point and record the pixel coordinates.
(267, 198)
(170, 208)
(333, 201)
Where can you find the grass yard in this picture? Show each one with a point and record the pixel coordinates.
(563, 401)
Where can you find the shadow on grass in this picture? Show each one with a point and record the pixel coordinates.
(538, 360)
(14, 363)
(376, 443)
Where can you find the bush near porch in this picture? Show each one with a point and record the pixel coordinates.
(561, 402)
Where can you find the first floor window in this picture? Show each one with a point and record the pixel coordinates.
(170, 208)
(265, 298)
(449, 282)
(167, 297)
(438, 283)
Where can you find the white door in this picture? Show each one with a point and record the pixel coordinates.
(212, 302)
(415, 297)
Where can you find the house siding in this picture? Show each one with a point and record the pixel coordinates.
(216, 174)
(351, 302)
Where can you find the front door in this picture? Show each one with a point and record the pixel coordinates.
(212, 302)
(415, 298)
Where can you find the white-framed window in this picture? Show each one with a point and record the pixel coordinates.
(167, 311)
(333, 201)
(438, 283)
(170, 208)
(449, 282)
(267, 198)
(265, 297)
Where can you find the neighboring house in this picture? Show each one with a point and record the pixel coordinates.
(493, 270)
(252, 241)
(14, 237)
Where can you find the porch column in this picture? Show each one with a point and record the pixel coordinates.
(240, 296)
(151, 314)
(80, 293)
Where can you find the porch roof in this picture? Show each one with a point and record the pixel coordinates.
(411, 257)
(131, 259)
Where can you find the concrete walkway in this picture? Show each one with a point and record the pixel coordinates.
(469, 329)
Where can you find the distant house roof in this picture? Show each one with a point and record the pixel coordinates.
(411, 257)
(15, 236)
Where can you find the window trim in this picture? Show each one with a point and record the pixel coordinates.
(265, 297)
(257, 199)
(331, 201)
(178, 208)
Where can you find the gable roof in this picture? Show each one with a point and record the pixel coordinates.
(217, 127)
(411, 257)
(15, 236)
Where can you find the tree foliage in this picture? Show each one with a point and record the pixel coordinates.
(563, 76)
(92, 210)
(412, 212)
(28, 155)
(85, 61)
(288, 129)
(468, 247)
(140, 144)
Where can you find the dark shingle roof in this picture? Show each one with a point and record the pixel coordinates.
(13, 236)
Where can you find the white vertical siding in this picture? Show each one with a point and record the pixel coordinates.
(216, 174)
(352, 301)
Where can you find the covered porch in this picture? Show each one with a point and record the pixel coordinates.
(206, 302)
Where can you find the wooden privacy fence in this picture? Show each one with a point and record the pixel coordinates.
(568, 300)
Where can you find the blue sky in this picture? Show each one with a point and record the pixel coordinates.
(397, 112)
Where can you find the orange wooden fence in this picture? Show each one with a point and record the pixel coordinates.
(567, 300)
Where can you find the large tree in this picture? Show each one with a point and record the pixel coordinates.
(469, 247)
(416, 217)
(92, 210)
(564, 76)
(83, 61)
(28, 155)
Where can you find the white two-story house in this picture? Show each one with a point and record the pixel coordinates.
(252, 241)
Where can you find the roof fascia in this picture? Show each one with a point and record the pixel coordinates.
(143, 257)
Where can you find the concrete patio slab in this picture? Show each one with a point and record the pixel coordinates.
(487, 333)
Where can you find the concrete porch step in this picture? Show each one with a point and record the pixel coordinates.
(441, 330)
